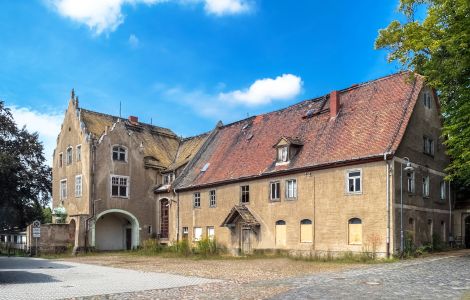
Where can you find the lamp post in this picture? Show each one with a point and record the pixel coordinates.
(408, 168)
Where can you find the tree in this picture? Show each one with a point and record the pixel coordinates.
(25, 179)
(438, 48)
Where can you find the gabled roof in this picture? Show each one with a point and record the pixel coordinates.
(244, 213)
(372, 119)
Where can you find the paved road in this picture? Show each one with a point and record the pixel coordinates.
(446, 277)
(32, 278)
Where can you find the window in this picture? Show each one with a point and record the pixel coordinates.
(283, 154)
(78, 186)
(168, 178)
(291, 189)
(68, 155)
(245, 194)
(428, 145)
(185, 233)
(410, 176)
(280, 233)
(79, 152)
(353, 181)
(426, 186)
(197, 233)
(120, 186)
(212, 199)
(119, 153)
(210, 232)
(197, 199)
(355, 231)
(61, 159)
(63, 189)
(427, 99)
(149, 229)
(443, 190)
(275, 191)
(306, 235)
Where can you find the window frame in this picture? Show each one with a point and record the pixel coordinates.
(194, 234)
(197, 196)
(306, 222)
(427, 99)
(347, 178)
(128, 186)
(209, 236)
(78, 153)
(77, 195)
(442, 191)
(350, 222)
(61, 159)
(280, 152)
(426, 186)
(276, 190)
(67, 162)
(212, 198)
(295, 190)
(63, 196)
(428, 145)
(245, 194)
(126, 153)
(411, 182)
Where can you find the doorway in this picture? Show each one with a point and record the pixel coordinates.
(128, 238)
(246, 241)
(467, 232)
(164, 220)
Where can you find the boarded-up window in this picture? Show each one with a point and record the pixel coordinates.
(280, 233)
(210, 232)
(197, 233)
(355, 231)
(306, 231)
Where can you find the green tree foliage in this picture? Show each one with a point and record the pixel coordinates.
(47, 215)
(438, 47)
(25, 179)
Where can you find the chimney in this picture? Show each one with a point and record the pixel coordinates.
(133, 119)
(334, 104)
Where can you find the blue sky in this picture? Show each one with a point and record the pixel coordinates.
(184, 63)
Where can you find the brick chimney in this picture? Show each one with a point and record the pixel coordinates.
(133, 119)
(334, 104)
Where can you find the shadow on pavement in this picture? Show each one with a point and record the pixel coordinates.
(26, 263)
(24, 277)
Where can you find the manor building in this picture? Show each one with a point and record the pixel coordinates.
(354, 170)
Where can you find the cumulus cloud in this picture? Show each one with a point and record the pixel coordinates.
(133, 41)
(106, 15)
(266, 90)
(46, 125)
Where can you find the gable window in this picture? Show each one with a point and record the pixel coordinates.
(245, 194)
(427, 99)
(291, 189)
(306, 231)
(197, 233)
(275, 191)
(68, 155)
(426, 186)
(355, 231)
(78, 186)
(410, 177)
(79, 153)
(63, 189)
(212, 199)
(353, 181)
(283, 154)
(61, 159)
(428, 145)
(443, 190)
(119, 186)
(197, 199)
(119, 153)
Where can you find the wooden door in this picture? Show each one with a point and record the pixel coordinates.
(164, 220)
(246, 241)
(128, 238)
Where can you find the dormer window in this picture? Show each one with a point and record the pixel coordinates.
(282, 154)
(286, 149)
(168, 178)
(119, 153)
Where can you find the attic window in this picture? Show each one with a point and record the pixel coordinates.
(206, 166)
(309, 113)
(283, 154)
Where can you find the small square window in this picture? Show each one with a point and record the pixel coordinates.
(354, 181)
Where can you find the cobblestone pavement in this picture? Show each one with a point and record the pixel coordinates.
(32, 278)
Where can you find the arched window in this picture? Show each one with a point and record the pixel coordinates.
(280, 233)
(306, 235)
(355, 231)
(119, 153)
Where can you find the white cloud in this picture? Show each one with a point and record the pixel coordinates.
(133, 41)
(226, 7)
(46, 125)
(264, 91)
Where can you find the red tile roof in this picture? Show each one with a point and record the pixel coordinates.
(371, 121)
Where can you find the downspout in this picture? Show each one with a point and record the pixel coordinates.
(450, 216)
(177, 215)
(387, 196)
(92, 202)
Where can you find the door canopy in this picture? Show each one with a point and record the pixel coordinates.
(240, 214)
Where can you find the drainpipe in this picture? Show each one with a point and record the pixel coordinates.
(92, 180)
(450, 215)
(388, 203)
(177, 215)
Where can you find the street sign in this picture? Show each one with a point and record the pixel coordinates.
(36, 229)
(37, 224)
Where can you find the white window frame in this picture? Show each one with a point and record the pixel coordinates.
(119, 177)
(212, 198)
(426, 186)
(78, 154)
(62, 190)
(185, 230)
(209, 235)
(283, 154)
(197, 200)
(275, 187)
(197, 237)
(126, 153)
(292, 196)
(442, 189)
(67, 161)
(410, 181)
(78, 188)
(347, 177)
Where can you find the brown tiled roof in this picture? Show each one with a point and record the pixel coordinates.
(186, 150)
(244, 213)
(371, 121)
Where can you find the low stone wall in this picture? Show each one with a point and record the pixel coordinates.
(55, 238)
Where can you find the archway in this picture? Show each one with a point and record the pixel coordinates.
(115, 229)
(467, 232)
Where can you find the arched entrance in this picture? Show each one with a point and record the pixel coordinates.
(115, 229)
(164, 218)
(72, 230)
(467, 232)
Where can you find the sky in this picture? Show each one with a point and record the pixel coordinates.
(182, 64)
